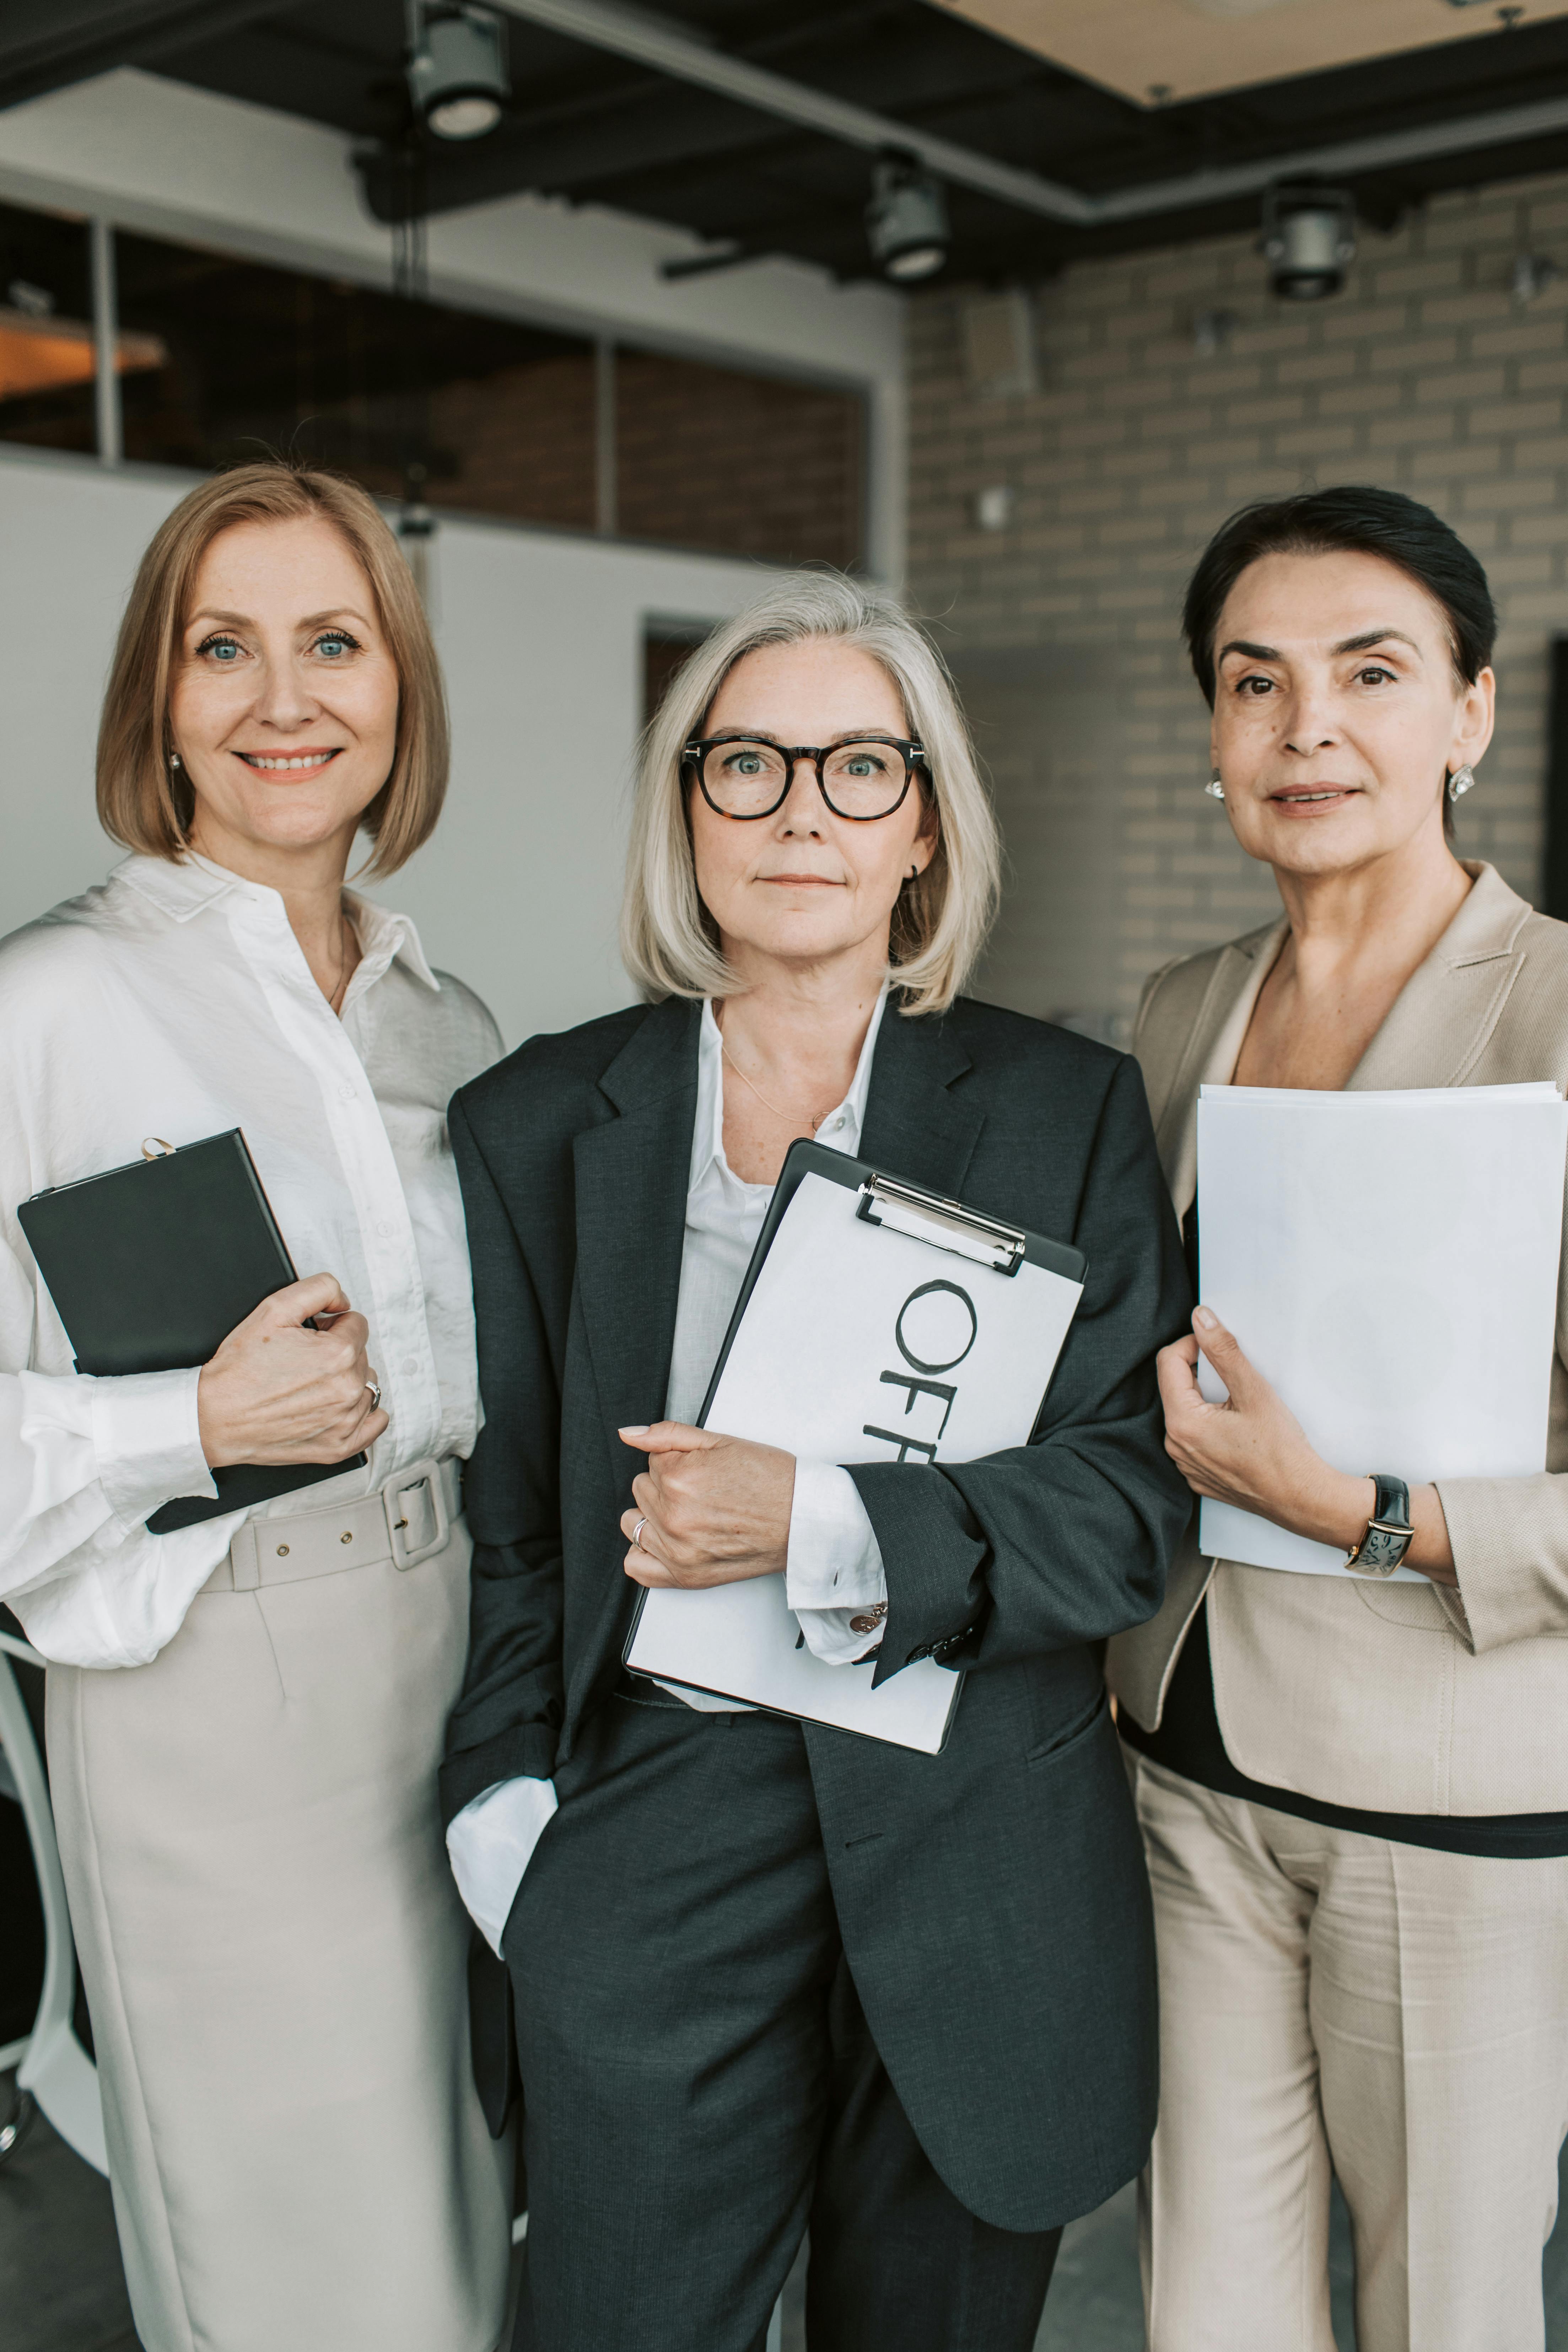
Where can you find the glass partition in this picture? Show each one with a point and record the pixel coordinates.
(219, 359)
(500, 414)
(48, 352)
(737, 464)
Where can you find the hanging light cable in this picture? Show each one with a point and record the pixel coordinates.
(411, 281)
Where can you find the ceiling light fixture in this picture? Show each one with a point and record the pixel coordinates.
(457, 68)
(1309, 239)
(906, 220)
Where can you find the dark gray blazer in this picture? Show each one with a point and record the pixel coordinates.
(992, 1899)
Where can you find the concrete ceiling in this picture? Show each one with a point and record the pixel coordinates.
(1155, 51)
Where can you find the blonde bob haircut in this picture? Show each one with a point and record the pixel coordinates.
(145, 802)
(670, 942)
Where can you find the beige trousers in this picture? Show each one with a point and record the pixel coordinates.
(1332, 1999)
(275, 1960)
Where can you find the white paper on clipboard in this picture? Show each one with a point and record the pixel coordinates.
(858, 1340)
(1389, 1262)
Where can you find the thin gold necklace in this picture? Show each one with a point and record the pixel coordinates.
(786, 1116)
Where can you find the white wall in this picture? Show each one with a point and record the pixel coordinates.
(541, 638)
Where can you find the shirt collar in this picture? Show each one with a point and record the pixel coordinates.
(707, 1134)
(183, 888)
(177, 887)
(386, 934)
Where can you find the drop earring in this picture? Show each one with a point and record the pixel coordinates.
(1214, 787)
(1460, 782)
(174, 760)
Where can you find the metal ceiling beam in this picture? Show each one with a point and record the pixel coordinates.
(1504, 126)
(654, 43)
(47, 45)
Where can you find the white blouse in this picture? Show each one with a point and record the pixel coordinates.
(834, 1567)
(175, 1001)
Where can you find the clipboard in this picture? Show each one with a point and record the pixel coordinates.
(941, 1250)
(151, 1266)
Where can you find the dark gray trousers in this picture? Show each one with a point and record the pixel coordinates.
(699, 2084)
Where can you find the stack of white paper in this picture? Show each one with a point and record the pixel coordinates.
(1389, 1262)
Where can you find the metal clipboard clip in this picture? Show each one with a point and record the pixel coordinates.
(946, 1225)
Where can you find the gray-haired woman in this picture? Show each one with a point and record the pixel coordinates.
(767, 1973)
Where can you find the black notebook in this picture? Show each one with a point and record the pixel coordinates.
(150, 1266)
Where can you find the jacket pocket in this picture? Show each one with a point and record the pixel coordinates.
(1075, 1734)
(1414, 1606)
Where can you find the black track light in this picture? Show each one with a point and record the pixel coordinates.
(1309, 239)
(906, 220)
(457, 68)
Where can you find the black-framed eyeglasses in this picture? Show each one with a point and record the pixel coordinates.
(746, 777)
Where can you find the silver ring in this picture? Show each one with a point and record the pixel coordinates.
(375, 1388)
(637, 1534)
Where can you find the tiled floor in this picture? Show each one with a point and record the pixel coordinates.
(62, 2289)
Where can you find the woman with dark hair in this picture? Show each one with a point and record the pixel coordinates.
(1353, 1793)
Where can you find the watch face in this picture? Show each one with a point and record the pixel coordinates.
(1384, 1548)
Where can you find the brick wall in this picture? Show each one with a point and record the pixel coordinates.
(705, 457)
(746, 464)
(519, 443)
(1423, 375)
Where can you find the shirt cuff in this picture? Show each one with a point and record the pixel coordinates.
(147, 1435)
(490, 1845)
(834, 1575)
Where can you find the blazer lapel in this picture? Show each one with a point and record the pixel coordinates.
(1211, 1055)
(1433, 1035)
(633, 1174)
(914, 1128)
(1448, 1008)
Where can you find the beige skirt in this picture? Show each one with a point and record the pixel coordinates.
(275, 1962)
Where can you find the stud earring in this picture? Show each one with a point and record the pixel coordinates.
(1214, 787)
(1460, 782)
(175, 759)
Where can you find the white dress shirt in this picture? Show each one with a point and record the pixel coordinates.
(834, 1564)
(174, 1001)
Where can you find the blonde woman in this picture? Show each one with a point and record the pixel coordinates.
(768, 1974)
(245, 1715)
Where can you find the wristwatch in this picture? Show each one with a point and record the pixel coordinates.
(1388, 1534)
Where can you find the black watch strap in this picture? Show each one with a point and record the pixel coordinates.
(1388, 1534)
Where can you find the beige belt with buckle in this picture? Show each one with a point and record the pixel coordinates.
(409, 1520)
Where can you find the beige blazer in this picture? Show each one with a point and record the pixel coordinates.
(1396, 1697)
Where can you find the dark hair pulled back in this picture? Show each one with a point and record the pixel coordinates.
(1352, 519)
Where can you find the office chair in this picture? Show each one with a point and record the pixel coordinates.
(56, 2071)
